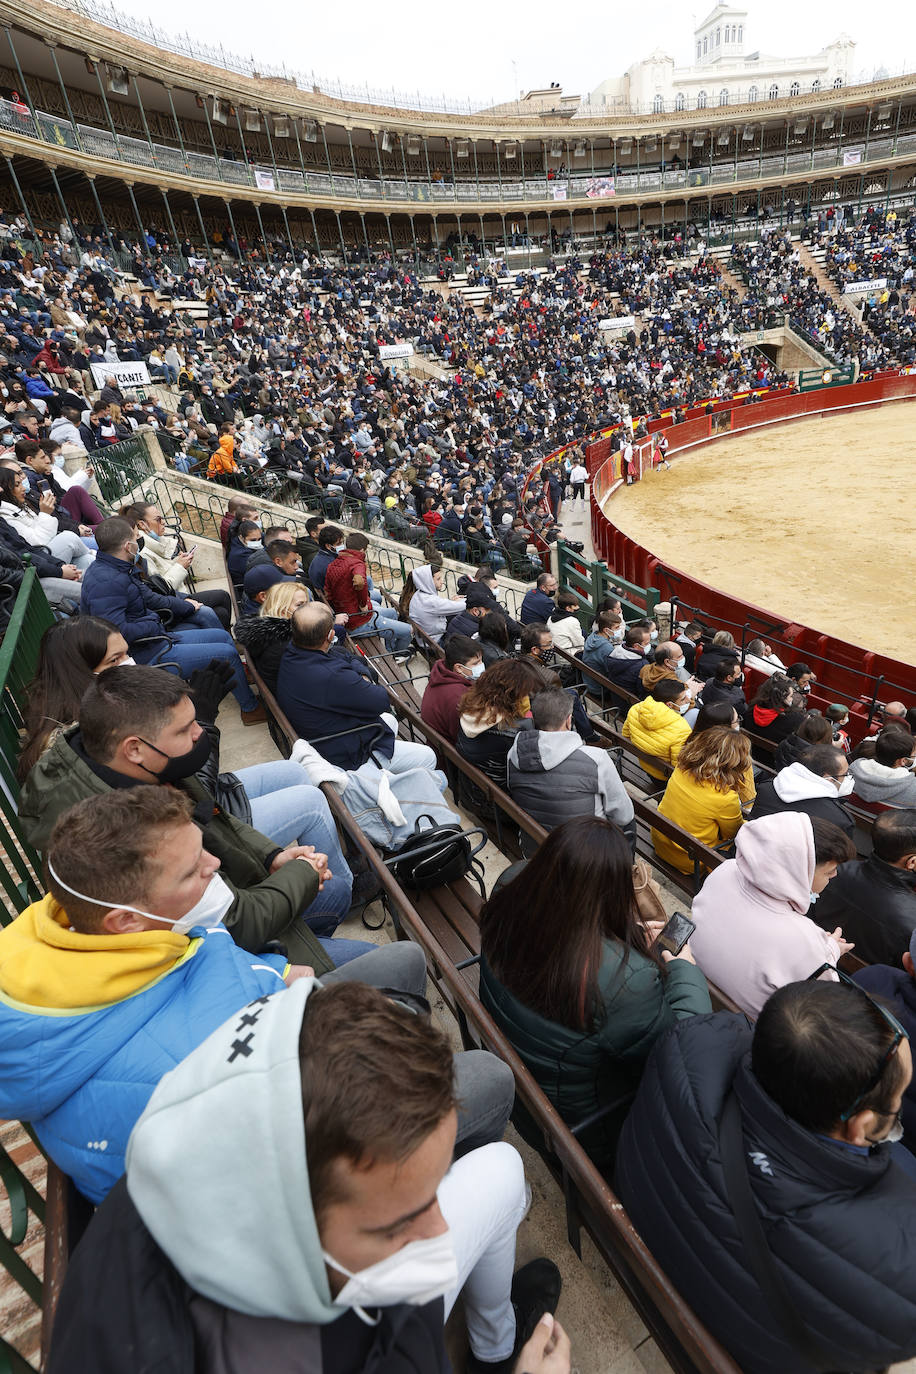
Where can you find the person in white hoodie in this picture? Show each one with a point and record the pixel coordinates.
(813, 784)
(752, 931)
(428, 608)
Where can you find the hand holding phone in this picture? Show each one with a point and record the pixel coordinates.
(675, 935)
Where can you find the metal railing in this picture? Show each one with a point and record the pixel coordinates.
(593, 187)
(121, 467)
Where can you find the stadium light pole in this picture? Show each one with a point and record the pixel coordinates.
(52, 47)
(63, 203)
(200, 221)
(98, 206)
(168, 210)
(15, 180)
(238, 242)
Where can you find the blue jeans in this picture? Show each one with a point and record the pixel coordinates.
(204, 619)
(342, 951)
(286, 807)
(194, 649)
(385, 622)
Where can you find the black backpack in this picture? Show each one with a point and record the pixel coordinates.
(436, 855)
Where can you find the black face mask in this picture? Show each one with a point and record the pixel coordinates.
(180, 766)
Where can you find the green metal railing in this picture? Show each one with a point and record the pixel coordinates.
(121, 467)
(200, 511)
(20, 881)
(591, 581)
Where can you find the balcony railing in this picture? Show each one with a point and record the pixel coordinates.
(588, 187)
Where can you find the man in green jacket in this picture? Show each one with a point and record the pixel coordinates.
(138, 725)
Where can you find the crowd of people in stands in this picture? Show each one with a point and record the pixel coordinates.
(879, 249)
(184, 1026)
(778, 280)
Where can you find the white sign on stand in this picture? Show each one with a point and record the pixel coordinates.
(399, 350)
(126, 375)
(864, 288)
(620, 324)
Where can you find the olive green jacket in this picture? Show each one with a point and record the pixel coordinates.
(267, 905)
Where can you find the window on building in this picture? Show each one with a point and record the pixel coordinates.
(727, 31)
(658, 105)
(837, 82)
(701, 100)
(740, 32)
(795, 88)
(815, 86)
(680, 102)
(718, 37)
(753, 94)
(699, 49)
(704, 47)
(774, 91)
(723, 97)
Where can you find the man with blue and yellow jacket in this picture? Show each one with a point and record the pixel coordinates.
(125, 967)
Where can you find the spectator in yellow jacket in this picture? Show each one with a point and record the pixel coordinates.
(657, 725)
(702, 795)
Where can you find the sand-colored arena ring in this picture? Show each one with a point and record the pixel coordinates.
(814, 520)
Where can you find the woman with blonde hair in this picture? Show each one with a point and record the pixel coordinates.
(703, 795)
(266, 635)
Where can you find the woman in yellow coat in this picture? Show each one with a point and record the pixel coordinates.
(657, 725)
(702, 794)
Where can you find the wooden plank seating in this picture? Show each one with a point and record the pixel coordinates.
(444, 922)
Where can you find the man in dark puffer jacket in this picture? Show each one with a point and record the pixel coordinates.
(819, 1083)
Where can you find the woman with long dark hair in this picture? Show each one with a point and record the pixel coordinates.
(71, 653)
(574, 979)
(492, 712)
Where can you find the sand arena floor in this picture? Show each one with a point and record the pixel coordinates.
(814, 520)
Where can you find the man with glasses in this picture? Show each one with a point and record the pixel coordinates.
(814, 784)
(759, 1164)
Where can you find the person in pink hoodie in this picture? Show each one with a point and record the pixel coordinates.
(752, 934)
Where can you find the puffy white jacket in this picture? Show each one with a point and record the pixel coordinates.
(36, 529)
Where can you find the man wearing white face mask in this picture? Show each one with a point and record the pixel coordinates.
(814, 784)
(125, 967)
(344, 1238)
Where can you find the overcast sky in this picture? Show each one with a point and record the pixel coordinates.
(467, 50)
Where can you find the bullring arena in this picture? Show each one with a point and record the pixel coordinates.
(295, 376)
(812, 519)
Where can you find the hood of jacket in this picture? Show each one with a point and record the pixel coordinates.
(537, 751)
(654, 673)
(798, 783)
(423, 580)
(256, 632)
(654, 717)
(43, 962)
(774, 859)
(620, 651)
(442, 676)
(596, 643)
(878, 779)
(249, 1107)
(478, 725)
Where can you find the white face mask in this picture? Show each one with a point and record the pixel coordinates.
(845, 786)
(207, 913)
(894, 1134)
(684, 707)
(416, 1274)
(478, 669)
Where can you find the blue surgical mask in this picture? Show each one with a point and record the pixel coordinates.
(478, 669)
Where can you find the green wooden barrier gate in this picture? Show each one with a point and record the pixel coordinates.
(591, 581)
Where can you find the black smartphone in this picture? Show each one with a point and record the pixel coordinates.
(44, 484)
(676, 933)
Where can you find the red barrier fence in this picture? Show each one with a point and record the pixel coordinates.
(843, 669)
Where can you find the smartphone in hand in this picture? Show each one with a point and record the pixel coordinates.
(676, 933)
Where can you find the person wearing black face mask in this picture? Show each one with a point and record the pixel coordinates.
(139, 725)
(537, 649)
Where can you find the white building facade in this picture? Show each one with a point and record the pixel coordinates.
(723, 73)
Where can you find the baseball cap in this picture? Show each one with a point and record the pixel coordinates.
(264, 575)
(478, 595)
